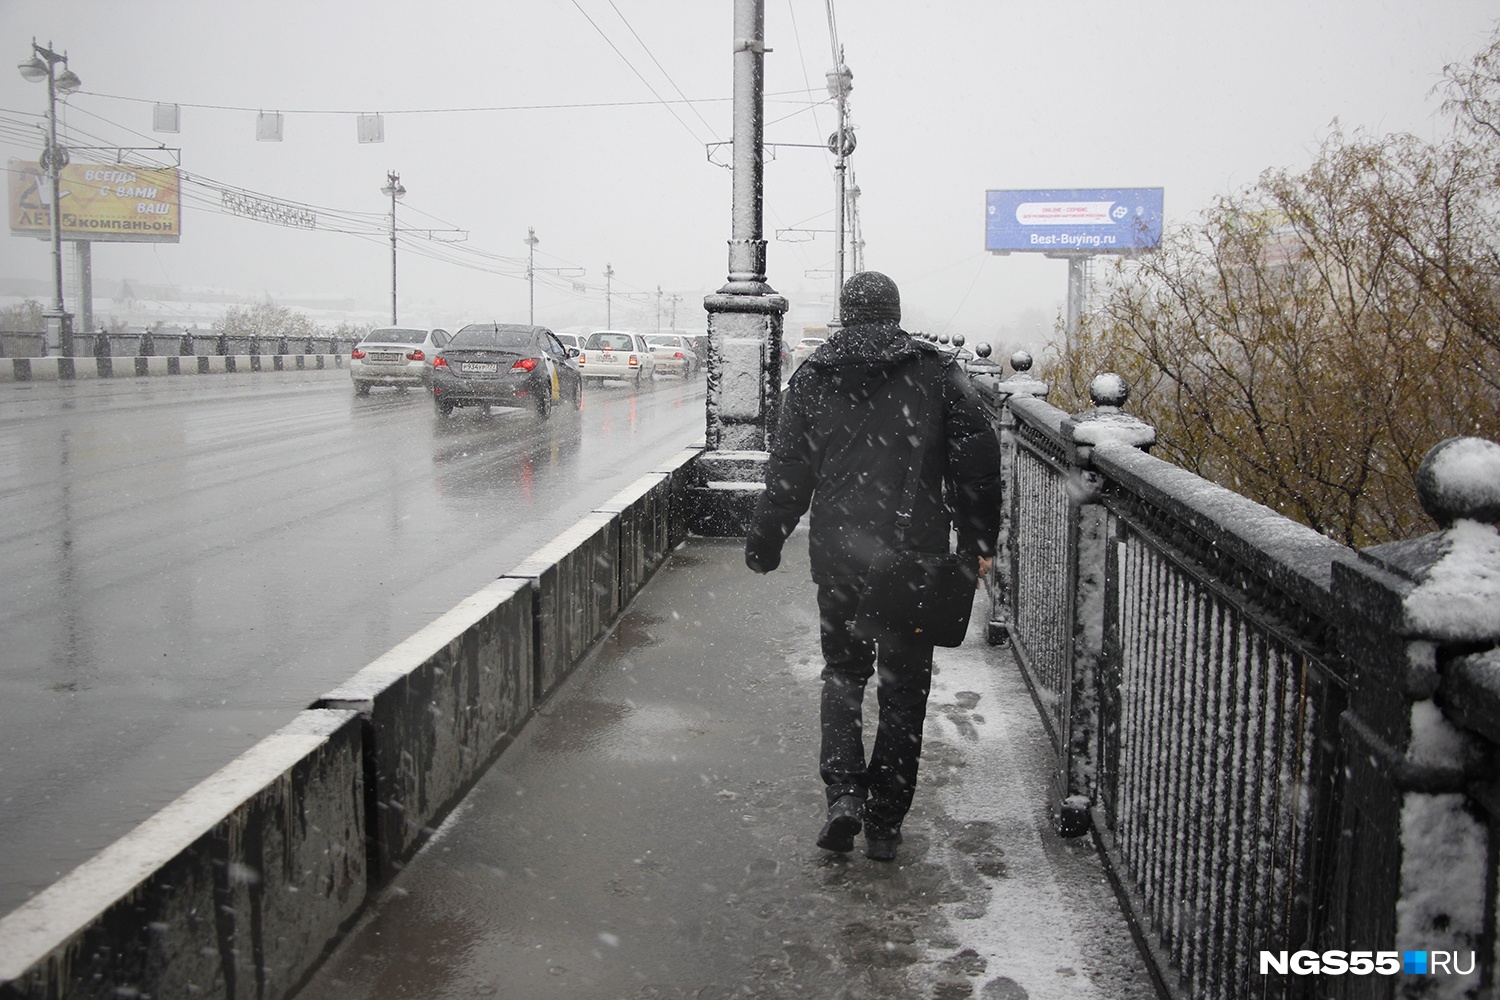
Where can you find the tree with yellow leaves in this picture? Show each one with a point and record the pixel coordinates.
(1307, 340)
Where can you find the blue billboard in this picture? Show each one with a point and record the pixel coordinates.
(1073, 220)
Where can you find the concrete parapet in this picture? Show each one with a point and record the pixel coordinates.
(644, 512)
(437, 709)
(235, 889)
(679, 470)
(54, 369)
(238, 887)
(576, 582)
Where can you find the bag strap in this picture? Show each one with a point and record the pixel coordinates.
(913, 471)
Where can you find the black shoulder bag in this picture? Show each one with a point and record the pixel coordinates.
(912, 596)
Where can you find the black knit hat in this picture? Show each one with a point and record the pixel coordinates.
(869, 296)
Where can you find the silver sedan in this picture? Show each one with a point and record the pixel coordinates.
(395, 355)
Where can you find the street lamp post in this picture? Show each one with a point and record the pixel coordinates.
(609, 273)
(43, 66)
(396, 191)
(840, 82)
(531, 242)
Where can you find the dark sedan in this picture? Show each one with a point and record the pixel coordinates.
(502, 364)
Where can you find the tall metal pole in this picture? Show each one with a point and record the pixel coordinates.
(395, 179)
(43, 63)
(856, 237)
(840, 169)
(54, 168)
(840, 81)
(745, 315)
(531, 242)
(393, 188)
(609, 323)
(1075, 302)
(747, 245)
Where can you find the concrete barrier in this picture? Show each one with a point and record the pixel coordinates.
(643, 511)
(575, 579)
(239, 887)
(681, 470)
(235, 889)
(437, 710)
(54, 369)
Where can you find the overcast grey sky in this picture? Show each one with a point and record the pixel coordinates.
(950, 99)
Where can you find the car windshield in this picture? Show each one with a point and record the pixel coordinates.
(664, 341)
(395, 335)
(809, 342)
(611, 342)
(494, 337)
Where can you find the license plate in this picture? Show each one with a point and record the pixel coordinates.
(481, 367)
(384, 357)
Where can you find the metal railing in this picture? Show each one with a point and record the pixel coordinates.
(1230, 698)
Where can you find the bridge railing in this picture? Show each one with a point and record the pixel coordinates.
(1274, 750)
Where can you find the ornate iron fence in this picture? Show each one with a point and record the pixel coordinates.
(1251, 719)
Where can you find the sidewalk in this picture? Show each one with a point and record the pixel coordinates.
(650, 834)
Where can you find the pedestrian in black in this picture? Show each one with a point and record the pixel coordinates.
(851, 422)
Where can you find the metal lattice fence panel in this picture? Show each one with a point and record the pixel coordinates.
(1040, 541)
(1219, 766)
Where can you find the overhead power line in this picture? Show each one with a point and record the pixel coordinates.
(660, 66)
(661, 100)
(478, 109)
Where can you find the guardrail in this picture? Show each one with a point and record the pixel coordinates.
(241, 886)
(53, 369)
(186, 343)
(1274, 749)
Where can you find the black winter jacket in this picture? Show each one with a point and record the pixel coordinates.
(845, 440)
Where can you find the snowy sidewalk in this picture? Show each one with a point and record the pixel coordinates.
(650, 834)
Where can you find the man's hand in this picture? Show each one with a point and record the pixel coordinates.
(761, 560)
(985, 563)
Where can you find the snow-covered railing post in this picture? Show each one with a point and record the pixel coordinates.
(1020, 383)
(1417, 862)
(744, 319)
(1087, 569)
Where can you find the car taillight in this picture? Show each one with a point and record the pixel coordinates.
(581, 359)
(440, 362)
(524, 365)
(678, 356)
(356, 354)
(416, 356)
(635, 361)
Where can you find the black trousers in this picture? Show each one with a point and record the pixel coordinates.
(889, 778)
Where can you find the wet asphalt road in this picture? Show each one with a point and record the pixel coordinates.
(187, 562)
(650, 834)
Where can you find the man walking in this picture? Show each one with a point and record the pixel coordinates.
(856, 413)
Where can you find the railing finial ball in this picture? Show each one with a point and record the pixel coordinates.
(1109, 389)
(983, 350)
(1460, 478)
(1021, 361)
(958, 340)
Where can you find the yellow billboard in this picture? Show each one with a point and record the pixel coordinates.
(100, 202)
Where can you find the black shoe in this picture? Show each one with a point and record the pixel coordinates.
(880, 845)
(843, 823)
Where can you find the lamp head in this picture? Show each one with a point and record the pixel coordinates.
(68, 82)
(33, 70)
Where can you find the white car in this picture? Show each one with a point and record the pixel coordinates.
(619, 355)
(572, 340)
(674, 355)
(804, 350)
(396, 356)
